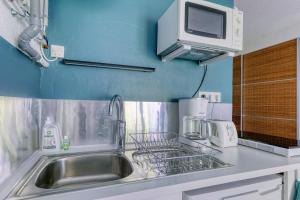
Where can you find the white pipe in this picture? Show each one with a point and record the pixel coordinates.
(45, 13)
(31, 32)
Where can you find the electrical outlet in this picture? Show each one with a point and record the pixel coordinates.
(212, 97)
(57, 51)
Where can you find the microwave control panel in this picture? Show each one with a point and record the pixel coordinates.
(238, 20)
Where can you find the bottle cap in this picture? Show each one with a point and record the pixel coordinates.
(49, 120)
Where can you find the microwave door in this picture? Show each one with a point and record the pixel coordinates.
(205, 21)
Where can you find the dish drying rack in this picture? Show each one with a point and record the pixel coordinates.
(164, 154)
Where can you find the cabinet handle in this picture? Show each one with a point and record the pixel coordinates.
(272, 190)
(241, 194)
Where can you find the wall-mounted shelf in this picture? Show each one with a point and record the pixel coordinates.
(203, 55)
(223, 56)
(107, 65)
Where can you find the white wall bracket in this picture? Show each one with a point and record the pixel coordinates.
(187, 48)
(228, 54)
(182, 50)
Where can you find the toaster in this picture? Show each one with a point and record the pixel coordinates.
(224, 134)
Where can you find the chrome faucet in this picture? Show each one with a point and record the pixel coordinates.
(121, 124)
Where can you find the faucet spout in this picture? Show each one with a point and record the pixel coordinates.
(117, 102)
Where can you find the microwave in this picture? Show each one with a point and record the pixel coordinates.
(199, 30)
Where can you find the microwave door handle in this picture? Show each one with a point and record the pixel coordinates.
(182, 50)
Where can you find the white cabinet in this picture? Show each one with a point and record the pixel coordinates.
(263, 188)
(163, 193)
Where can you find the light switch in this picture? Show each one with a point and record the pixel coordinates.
(212, 97)
(57, 51)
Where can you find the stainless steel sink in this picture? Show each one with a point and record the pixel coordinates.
(61, 173)
(64, 173)
(84, 169)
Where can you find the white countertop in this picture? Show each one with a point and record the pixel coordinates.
(247, 163)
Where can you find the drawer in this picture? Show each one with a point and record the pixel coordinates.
(262, 188)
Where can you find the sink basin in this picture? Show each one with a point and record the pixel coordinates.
(74, 171)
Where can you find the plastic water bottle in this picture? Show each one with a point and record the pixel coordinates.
(66, 143)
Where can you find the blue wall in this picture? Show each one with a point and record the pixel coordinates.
(122, 32)
(19, 76)
(108, 31)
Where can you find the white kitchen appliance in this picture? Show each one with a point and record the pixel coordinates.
(193, 125)
(224, 133)
(199, 30)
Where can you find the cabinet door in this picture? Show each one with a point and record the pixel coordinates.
(226, 195)
(154, 194)
(244, 196)
(263, 188)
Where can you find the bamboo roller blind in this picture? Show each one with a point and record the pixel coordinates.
(265, 98)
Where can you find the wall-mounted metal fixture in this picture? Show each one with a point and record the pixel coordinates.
(107, 65)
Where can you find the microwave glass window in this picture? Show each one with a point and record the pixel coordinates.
(204, 21)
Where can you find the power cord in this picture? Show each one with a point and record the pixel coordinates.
(44, 44)
(202, 80)
(44, 55)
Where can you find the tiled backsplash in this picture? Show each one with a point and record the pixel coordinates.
(85, 122)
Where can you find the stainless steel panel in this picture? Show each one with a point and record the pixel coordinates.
(157, 117)
(131, 119)
(85, 122)
(18, 132)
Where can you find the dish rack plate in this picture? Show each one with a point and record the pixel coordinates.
(164, 154)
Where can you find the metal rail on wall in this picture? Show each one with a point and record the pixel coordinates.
(107, 65)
